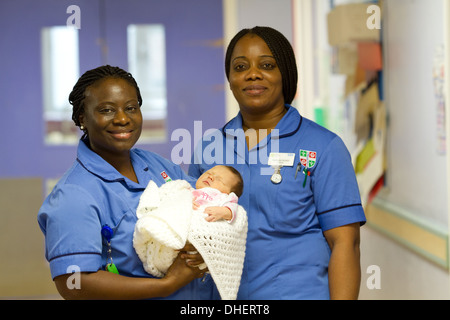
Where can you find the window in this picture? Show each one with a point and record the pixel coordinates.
(147, 64)
(60, 71)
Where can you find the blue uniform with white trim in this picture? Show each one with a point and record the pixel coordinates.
(287, 255)
(92, 194)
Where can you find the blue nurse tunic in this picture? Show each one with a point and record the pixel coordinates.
(287, 255)
(92, 194)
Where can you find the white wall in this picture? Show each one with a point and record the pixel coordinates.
(404, 275)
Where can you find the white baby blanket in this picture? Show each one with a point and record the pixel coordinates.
(166, 221)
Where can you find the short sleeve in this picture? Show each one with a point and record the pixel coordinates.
(69, 219)
(336, 193)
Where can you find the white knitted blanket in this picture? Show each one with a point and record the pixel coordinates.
(166, 221)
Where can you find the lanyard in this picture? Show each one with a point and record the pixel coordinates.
(107, 233)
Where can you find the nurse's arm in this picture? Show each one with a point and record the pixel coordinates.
(344, 270)
(107, 285)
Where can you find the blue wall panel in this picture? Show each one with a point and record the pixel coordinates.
(195, 76)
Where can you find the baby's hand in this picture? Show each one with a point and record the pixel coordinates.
(195, 205)
(217, 213)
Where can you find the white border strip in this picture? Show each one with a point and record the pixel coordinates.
(230, 28)
(304, 51)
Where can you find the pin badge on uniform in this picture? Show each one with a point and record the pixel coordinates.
(165, 176)
(308, 161)
(278, 161)
(276, 177)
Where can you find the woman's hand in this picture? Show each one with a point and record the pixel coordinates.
(185, 268)
(191, 256)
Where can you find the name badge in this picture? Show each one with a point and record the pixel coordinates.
(281, 159)
(277, 161)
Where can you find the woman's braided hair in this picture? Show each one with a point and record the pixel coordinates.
(76, 97)
(282, 52)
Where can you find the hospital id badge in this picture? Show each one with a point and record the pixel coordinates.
(278, 161)
(281, 159)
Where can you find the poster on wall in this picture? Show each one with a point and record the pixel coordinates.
(439, 82)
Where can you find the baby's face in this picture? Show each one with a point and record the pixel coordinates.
(219, 177)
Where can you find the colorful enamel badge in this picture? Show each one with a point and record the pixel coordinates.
(307, 160)
(165, 176)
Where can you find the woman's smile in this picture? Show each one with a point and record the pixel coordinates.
(121, 134)
(255, 90)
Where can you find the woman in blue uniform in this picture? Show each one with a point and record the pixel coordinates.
(88, 219)
(300, 191)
